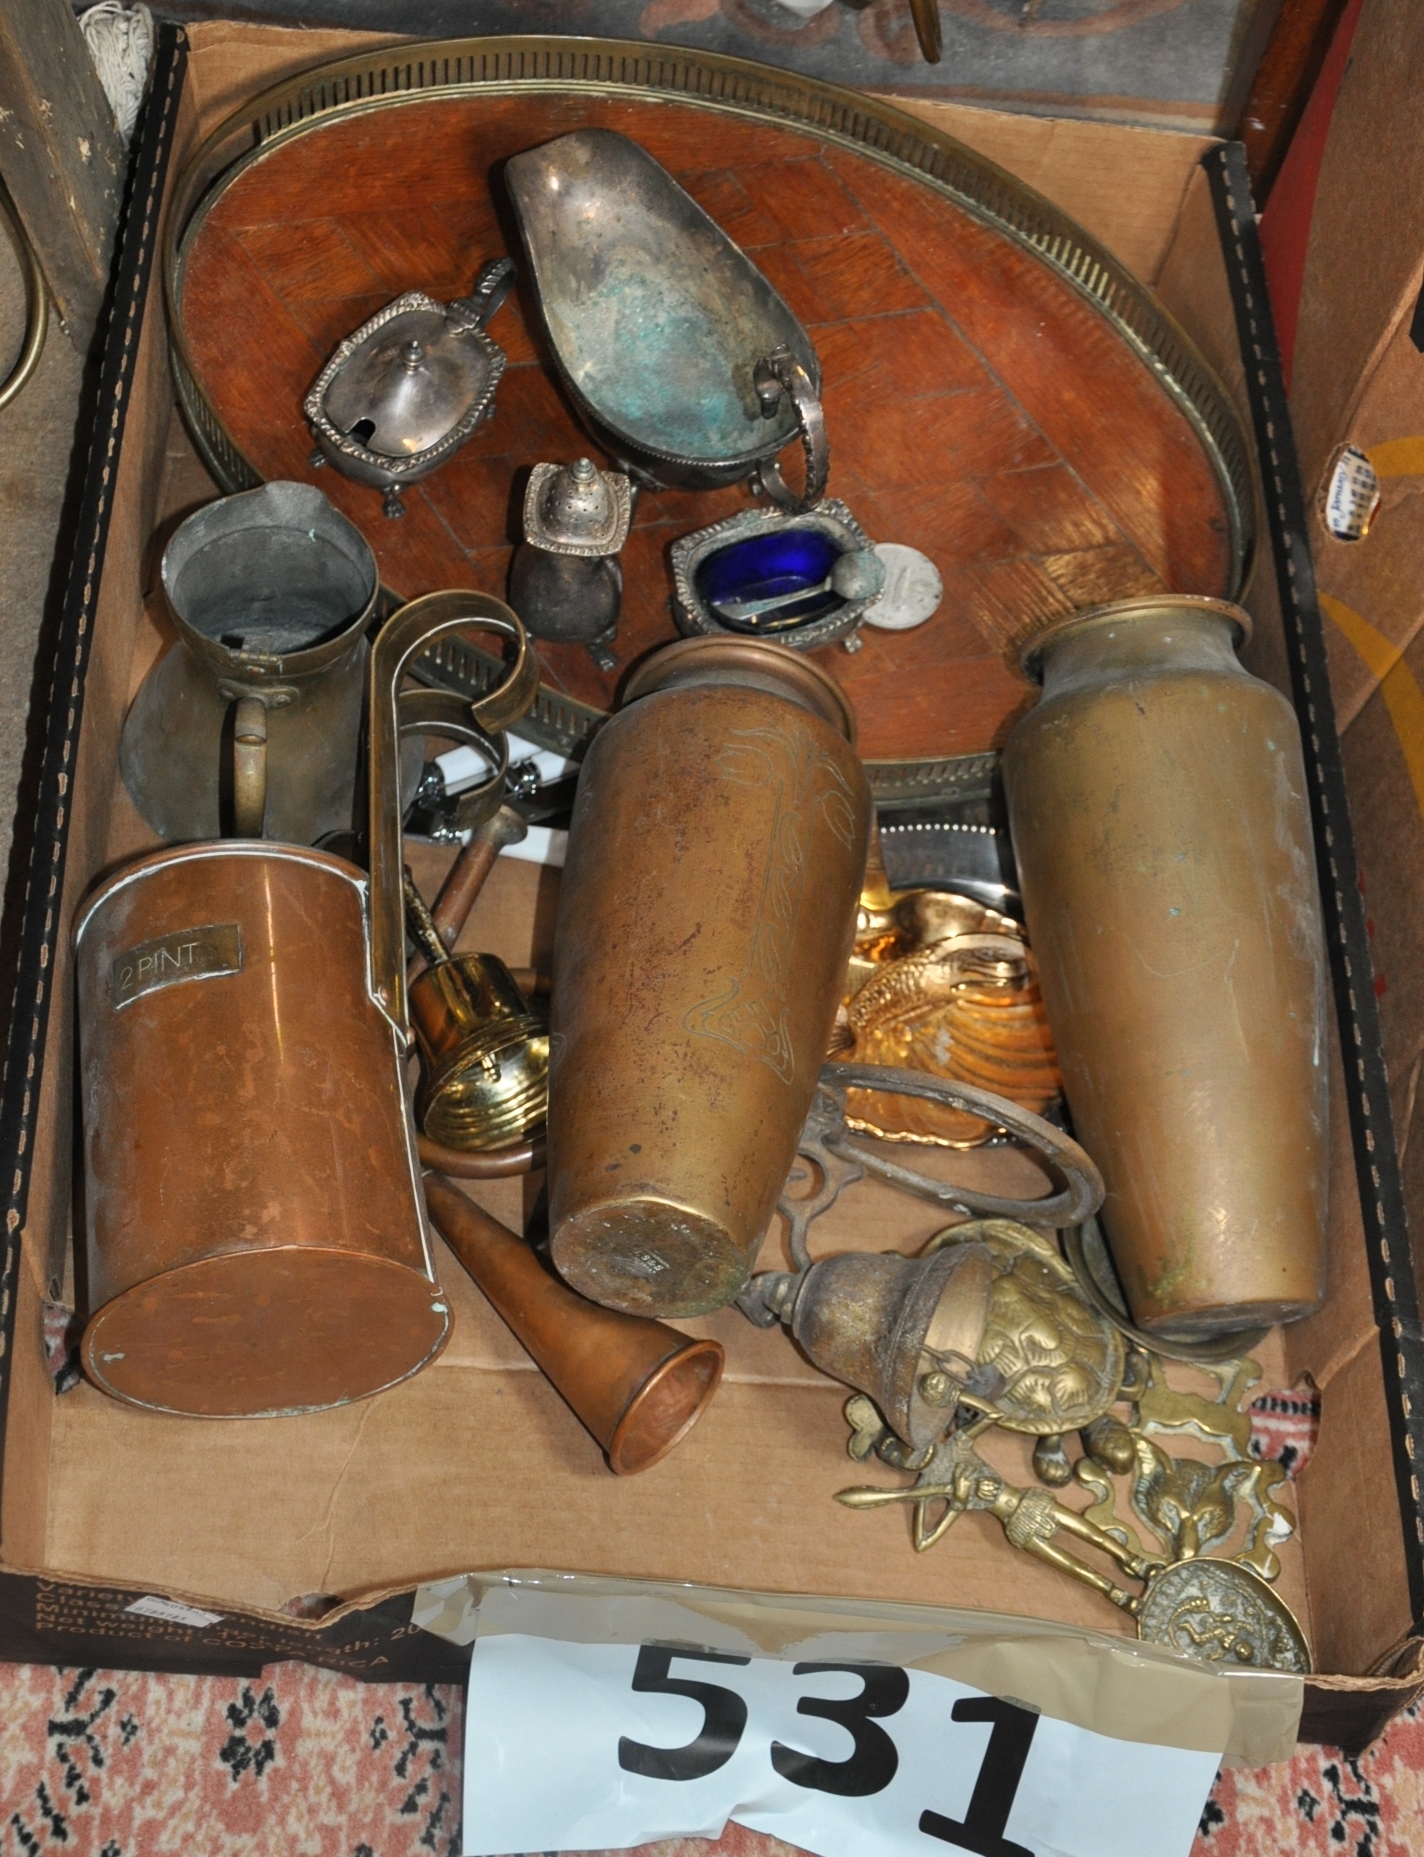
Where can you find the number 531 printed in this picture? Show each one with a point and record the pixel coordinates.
(598, 1746)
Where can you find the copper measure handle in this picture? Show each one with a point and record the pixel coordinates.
(405, 635)
(249, 767)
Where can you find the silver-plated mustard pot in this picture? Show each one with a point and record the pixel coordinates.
(403, 393)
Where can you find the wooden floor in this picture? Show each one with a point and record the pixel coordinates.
(979, 408)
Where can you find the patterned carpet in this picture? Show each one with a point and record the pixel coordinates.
(304, 1763)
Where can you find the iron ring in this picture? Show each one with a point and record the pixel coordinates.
(1082, 1190)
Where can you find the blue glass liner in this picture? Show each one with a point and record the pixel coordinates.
(765, 567)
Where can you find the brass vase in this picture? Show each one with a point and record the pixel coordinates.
(705, 920)
(1157, 801)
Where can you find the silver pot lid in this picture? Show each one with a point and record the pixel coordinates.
(410, 383)
(576, 509)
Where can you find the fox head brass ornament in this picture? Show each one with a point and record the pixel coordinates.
(262, 1248)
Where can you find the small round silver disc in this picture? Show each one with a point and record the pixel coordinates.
(913, 589)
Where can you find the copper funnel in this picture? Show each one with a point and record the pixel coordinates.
(639, 1387)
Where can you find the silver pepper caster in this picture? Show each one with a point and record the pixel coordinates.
(566, 582)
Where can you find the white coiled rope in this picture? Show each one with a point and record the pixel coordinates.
(120, 41)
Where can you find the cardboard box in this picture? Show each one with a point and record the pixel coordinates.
(245, 1542)
(1353, 224)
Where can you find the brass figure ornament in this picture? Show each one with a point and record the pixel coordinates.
(1221, 1611)
(1049, 1362)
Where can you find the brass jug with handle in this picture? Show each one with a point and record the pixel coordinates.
(250, 723)
(255, 1226)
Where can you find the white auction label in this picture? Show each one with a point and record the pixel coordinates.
(572, 1747)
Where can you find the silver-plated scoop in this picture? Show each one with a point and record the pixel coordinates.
(682, 359)
(405, 390)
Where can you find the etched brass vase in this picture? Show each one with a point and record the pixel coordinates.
(1158, 805)
(705, 920)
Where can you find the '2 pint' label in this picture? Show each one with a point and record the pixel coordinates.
(190, 954)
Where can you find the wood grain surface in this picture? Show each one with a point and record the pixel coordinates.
(979, 408)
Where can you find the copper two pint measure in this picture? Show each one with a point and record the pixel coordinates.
(255, 1222)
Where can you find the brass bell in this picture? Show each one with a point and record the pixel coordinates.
(485, 1056)
(904, 1330)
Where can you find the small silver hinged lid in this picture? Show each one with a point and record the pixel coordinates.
(576, 509)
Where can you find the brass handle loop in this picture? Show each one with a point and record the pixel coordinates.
(1079, 1197)
(36, 307)
(249, 767)
(419, 716)
(782, 374)
(405, 635)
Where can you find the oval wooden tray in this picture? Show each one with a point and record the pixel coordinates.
(999, 391)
